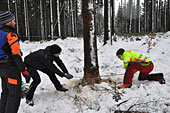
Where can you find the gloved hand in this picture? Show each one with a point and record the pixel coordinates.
(27, 76)
(68, 76)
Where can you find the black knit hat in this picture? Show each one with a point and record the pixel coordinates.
(55, 49)
(6, 16)
(120, 51)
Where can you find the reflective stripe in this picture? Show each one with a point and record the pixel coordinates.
(139, 58)
(130, 60)
(13, 42)
(12, 81)
(126, 62)
(144, 59)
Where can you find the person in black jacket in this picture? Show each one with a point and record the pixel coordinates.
(11, 64)
(42, 60)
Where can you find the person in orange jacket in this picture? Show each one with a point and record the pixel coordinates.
(134, 61)
(11, 64)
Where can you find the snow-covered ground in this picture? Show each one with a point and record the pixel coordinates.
(146, 96)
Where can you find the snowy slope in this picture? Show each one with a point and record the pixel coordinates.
(142, 96)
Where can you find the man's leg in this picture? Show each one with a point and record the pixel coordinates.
(53, 78)
(144, 72)
(14, 88)
(132, 67)
(36, 81)
(4, 95)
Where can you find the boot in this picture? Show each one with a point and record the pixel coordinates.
(30, 102)
(62, 89)
(124, 86)
(156, 77)
(160, 78)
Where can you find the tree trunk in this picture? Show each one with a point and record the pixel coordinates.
(51, 19)
(165, 15)
(42, 21)
(168, 19)
(27, 32)
(106, 36)
(16, 16)
(130, 15)
(91, 68)
(112, 18)
(9, 5)
(145, 15)
(72, 18)
(58, 18)
(153, 15)
(138, 17)
(62, 19)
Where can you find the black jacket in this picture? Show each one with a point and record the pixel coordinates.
(43, 59)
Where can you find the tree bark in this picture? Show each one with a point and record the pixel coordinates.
(91, 68)
(51, 19)
(27, 31)
(42, 21)
(106, 31)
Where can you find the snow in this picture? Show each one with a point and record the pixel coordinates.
(146, 96)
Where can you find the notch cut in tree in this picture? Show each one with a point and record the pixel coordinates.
(91, 68)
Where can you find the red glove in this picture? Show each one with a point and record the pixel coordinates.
(25, 72)
(26, 75)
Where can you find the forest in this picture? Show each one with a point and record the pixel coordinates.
(52, 19)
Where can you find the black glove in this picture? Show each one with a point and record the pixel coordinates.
(27, 76)
(68, 76)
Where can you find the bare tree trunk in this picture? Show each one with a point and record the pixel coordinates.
(75, 16)
(138, 17)
(62, 19)
(165, 15)
(52, 24)
(27, 31)
(130, 13)
(58, 17)
(145, 15)
(112, 18)
(153, 15)
(42, 21)
(106, 37)
(91, 68)
(168, 20)
(109, 19)
(16, 16)
(72, 18)
(121, 20)
(159, 16)
(9, 5)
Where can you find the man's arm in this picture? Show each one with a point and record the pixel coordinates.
(126, 59)
(61, 64)
(49, 64)
(15, 49)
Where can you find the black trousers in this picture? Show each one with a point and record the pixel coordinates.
(36, 80)
(11, 88)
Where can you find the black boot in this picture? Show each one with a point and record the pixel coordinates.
(30, 102)
(160, 78)
(29, 99)
(156, 77)
(62, 89)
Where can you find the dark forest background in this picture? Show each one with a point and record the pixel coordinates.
(51, 19)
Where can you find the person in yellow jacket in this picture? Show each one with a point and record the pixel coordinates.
(134, 61)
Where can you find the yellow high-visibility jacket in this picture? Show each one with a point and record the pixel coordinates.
(132, 56)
